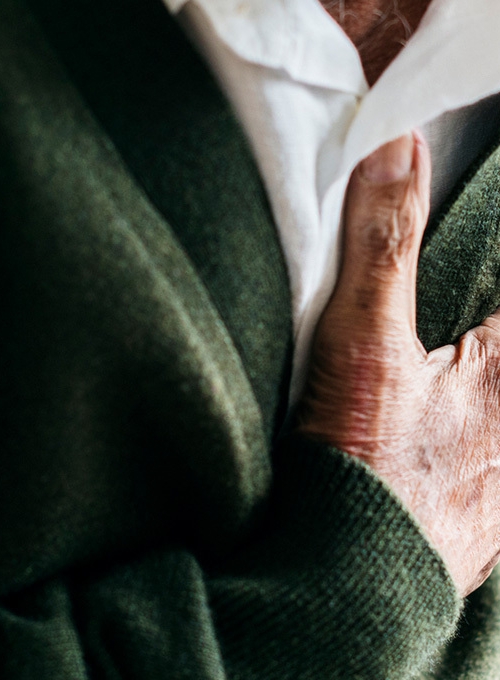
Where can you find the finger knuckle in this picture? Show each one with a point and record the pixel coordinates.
(476, 347)
(389, 235)
(492, 324)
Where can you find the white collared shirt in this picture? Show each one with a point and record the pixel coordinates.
(297, 84)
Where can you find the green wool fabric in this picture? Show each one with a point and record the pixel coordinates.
(152, 526)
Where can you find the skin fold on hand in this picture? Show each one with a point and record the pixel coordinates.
(427, 423)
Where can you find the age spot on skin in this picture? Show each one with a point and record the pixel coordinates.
(424, 460)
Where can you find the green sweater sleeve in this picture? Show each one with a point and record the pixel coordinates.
(343, 574)
(338, 582)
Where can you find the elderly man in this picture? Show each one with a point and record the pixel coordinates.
(212, 466)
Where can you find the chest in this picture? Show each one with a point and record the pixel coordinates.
(378, 28)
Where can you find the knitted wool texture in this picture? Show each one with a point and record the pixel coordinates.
(150, 529)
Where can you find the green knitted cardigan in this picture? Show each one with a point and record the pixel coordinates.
(151, 527)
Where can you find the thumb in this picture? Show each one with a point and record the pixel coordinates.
(387, 205)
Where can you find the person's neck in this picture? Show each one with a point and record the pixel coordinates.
(378, 28)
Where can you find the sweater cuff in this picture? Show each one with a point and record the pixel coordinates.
(396, 596)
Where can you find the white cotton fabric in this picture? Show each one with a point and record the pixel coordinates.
(297, 84)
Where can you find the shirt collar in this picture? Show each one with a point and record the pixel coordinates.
(296, 36)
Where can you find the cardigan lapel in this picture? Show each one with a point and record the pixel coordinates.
(175, 131)
(459, 269)
(129, 417)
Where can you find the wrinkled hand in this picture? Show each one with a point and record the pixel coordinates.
(428, 424)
